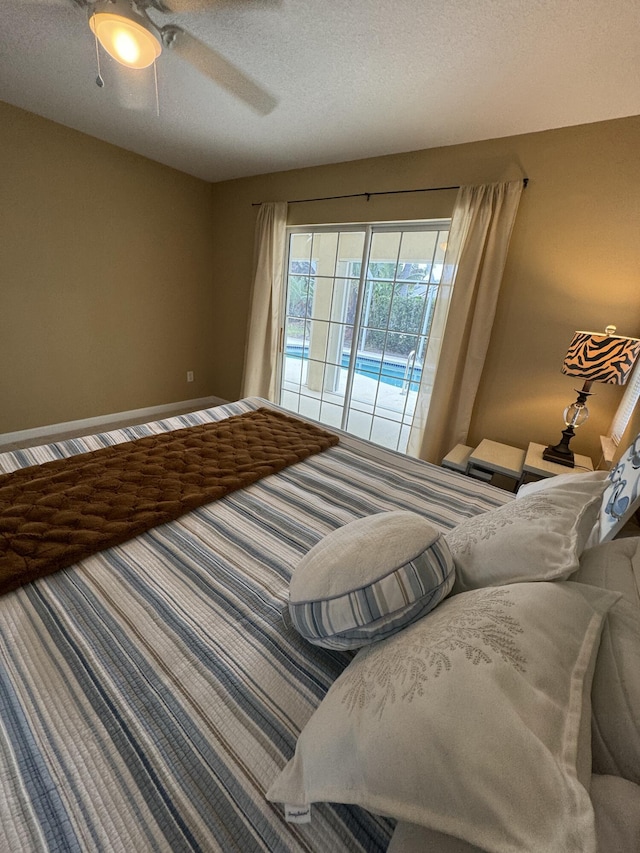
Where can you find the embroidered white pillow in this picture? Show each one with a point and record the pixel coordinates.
(368, 579)
(537, 538)
(589, 483)
(467, 722)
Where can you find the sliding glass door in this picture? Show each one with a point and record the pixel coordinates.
(360, 303)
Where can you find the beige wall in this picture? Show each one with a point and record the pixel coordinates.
(574, 261)
(118, 275)
(105, 277)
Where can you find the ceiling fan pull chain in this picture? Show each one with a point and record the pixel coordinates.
(99, 80)
(155, 77)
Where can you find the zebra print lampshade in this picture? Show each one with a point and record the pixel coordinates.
(598, 357)
(594, 357)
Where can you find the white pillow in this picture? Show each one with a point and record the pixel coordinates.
(467, 722)
(368, 579)
(593, 482)
(589, 483)
(613, 565)
(616, 804)
(537, 538)
(615, 696)
(615, 693)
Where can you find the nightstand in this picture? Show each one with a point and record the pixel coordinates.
(491, 457)
(458, 458)
(538, 467)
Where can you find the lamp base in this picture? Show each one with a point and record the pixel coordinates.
(551, 454)
(560, 453)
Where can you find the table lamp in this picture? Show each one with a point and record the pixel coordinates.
(594, 357)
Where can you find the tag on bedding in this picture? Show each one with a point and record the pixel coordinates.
(297, 814)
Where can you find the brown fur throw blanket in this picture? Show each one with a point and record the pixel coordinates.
(53, 515)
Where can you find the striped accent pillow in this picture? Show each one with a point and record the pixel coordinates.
(369, 579)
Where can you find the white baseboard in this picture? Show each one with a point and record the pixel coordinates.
(86, 424)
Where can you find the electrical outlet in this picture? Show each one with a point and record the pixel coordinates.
(189, 375)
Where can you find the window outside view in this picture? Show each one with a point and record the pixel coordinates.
(360, 338)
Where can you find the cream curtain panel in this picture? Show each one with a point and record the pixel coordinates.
(479, 236)
(265, 317)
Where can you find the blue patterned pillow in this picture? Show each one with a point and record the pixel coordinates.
(368, 579)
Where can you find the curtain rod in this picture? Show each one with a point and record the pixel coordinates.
(525, 181)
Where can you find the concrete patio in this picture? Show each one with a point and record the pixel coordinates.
(378, 411)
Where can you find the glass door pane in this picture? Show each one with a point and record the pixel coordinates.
(319, 321)
(358, 317)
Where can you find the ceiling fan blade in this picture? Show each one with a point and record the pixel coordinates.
(179, 6)
(214, 66)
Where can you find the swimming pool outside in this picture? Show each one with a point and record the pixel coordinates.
(391, 371)
(379, 411)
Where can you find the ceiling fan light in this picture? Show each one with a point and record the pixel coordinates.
(128, 42)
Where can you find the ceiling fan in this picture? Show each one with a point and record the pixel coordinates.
(135, 40)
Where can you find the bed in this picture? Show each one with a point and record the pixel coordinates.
(152, 693)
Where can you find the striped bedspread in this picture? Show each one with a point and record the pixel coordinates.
(150, 694)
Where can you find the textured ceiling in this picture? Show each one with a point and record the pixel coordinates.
(325, 81)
